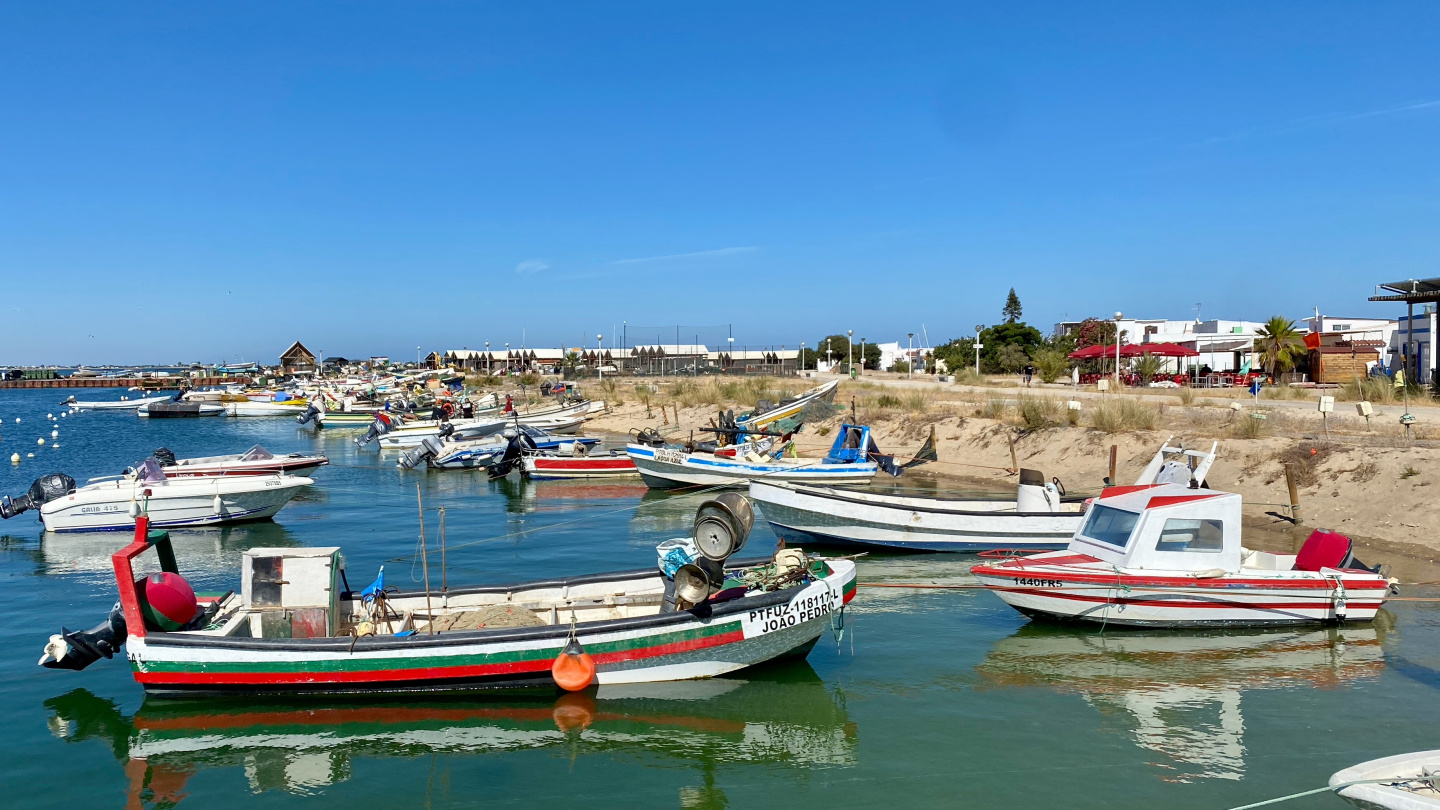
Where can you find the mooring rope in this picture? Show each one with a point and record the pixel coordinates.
(1389, 780)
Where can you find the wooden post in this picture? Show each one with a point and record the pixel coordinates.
(1294, 493)
(444, 580)
(1014, 463)
(1114, 449)
(677, 415)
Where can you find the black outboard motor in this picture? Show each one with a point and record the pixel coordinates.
(311, 413)
(77, 651)
(165, 456)
(429, 448)
(381, 426)
(45, 489)
(514, 451)
(650, 437)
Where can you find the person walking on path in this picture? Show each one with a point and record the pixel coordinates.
(1029, 373)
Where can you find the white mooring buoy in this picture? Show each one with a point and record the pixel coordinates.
(40, 442)
(14, 458)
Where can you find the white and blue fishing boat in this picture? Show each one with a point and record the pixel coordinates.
(853, 459)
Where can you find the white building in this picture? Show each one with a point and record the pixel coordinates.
(1223, 345)
(1418, 333)
(1380, 329)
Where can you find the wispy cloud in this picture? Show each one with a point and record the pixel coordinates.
(531, 266)
(699, 254)
(1314, 121)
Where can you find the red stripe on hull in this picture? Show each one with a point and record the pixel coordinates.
(1011, 570)
(1201, 604)
(581, 465)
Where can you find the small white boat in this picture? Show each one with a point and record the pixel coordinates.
(252, 408)
(413, 433)
(255, 461)
(1166, 555)
(1038, 519)
(1402, 782)
(847, 463)
(114, 502)
(112, 405)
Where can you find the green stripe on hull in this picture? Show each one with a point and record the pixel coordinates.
(397, 664)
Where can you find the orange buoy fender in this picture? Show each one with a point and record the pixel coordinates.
(573, 670)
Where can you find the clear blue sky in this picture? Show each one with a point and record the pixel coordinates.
(208, 181)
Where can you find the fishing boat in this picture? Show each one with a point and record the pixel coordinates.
(559, 464)
(1166, 555)
(482, 447)
(413, 433)
(255, 461)
(251, 408)
(293, 628)
(1040, 518)
(112, 405)
(848, 462)
(1401, 782)
(113, 502)
(789, 408)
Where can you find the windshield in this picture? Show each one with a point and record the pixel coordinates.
(1109, 525)
(256, 453)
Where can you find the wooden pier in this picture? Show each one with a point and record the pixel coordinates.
(146, 383)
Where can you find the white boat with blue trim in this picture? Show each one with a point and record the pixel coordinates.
(851, 460)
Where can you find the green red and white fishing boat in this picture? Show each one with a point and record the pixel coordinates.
(294, 628)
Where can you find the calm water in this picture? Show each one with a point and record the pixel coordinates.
(932, 698)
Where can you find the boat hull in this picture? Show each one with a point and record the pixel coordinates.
(1399, 769)
(1125, 599)
(833, 518)
(260, 409)
(559, 467)
(702, 469)
(242, 499)
(700, 643)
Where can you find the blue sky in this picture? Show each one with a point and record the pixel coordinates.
(198, 181)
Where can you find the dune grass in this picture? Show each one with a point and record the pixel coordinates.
(1122, 414)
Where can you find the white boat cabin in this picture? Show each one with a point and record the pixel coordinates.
(1167, 527)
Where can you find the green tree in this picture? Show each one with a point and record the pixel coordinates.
(957, 354)
(1279, 344)
(1012, 357)
(1050, 363)
(1148, 366)
(1011, 310)
(1094, 332)
(569, 364)
(997, 337)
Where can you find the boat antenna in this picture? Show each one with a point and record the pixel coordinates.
(425, 562)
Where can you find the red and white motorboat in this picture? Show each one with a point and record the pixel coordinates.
(1166, 555)
(255, 461)
(547, 465)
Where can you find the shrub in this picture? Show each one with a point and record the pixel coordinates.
(529, 379)
(1038, 412)
(1148, 366)
(1186, 394)
(1050, 364)
(887, 401)
(1119, 414)
(917, 402)
(1379, 390)
(1248, 426)
(995, 407)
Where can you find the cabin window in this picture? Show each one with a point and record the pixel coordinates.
(1110, 526)
(1191, 535)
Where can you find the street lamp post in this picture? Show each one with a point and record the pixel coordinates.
(1118, 316)
(911, 355)
(979, 327)
(507, 357)
(599, 357)
(417, 356)
(801, 358)
(487, 358)
(862, 356)
(850, 351)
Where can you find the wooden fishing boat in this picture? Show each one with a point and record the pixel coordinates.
(789, 408)
(665, 466)
(1402, 782)
(1038, 519)
(294, 629)
(1165, 555)
(558, 464)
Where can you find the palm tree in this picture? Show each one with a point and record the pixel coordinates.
(1279, 344)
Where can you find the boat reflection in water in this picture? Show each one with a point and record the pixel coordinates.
(784, 716)
(523, 496)
(668, 512)
(1180, 692)
(211, 555)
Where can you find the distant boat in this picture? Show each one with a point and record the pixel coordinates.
(180, 410)
(255, 461)
(665, 466)
(112, 405)
(558, 465)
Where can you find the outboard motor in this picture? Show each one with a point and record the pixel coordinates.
(314, 412)
(650, 437)
(381, 426)
(429, 448)
(44, 490)
(77, 651)
(165, 456)
(1036, 495)
(514, 451)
